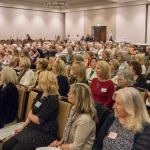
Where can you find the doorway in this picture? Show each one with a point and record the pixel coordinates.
(99, 33)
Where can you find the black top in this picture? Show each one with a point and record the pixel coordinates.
(8, 103)
(43, 54)
(63, 84)
(46, 109)
(140, 82)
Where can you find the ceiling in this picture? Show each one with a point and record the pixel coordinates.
(73, 4)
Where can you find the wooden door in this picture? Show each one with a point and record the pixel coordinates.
(99, 33)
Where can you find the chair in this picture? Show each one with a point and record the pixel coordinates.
(64, 109)
(21, 102)
(31, 97)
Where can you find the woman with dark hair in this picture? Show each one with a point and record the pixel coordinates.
(139, 79)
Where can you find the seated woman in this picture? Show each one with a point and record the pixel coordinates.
(114, 66)
(139, 79)
(15, 58)
(81, 120)
(130, 127)
(102, 87)
(41, 65)
(90, 72)
(78, 73)
(8, 96)
(26, 76)
(106, 55)
(140, 58)
(40, 128)
(125, 79)
(63, 82)
(122, 57)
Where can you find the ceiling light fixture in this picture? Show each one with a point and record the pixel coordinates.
(57, 4)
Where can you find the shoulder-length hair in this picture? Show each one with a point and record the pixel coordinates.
(136, 67)
(43, 62)
(81, 69)
(8, 75)
(85, 103)
(25, 62)
(133, 104)
(60, 67)
(105, 70)
(48, 82)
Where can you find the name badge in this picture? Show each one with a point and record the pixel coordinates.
(103, 90)
(38, 104)
(112, 135)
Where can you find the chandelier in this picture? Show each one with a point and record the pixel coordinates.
(57, 4)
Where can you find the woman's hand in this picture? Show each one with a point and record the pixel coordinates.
(18, 130)
(65, 147)
(56, 143)
(30, 114)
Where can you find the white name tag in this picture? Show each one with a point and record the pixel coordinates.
(38, 104)
(103, 90)
(112, 135)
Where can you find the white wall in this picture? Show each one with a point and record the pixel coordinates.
(74, 25)
(126, 23)
(130, 24)
(19, 22)
(103, 17)
(148, 26)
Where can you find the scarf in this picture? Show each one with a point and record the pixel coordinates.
(71, 119)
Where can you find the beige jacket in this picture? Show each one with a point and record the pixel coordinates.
(82, 133)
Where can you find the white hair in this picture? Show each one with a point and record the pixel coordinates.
(134, 106)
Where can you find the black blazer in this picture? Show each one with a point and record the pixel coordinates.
(8, 103)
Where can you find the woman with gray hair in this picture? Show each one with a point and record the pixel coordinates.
(129, 127)
(124, 79)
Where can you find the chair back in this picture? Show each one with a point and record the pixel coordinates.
(64, 110)
(21, 102)
(31, 97)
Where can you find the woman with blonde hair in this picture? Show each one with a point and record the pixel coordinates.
(130, 127)
(81, 120)
(59, 68)
(114, 67)
(102, 87)
(140, 58)
(8, 96)
(40, 127)
(78, 73)
(26, 76)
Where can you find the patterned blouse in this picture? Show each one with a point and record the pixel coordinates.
(118, 138)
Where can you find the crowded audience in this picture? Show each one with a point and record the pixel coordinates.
(92, 76)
